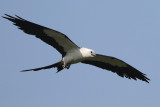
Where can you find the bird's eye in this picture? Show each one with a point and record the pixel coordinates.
(91, 52)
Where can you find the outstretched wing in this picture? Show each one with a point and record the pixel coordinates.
(54, 38)
(117, 66)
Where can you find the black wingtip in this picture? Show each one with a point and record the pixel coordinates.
(4, 16)
(147, 79)
(7, 16)
(144, 78)
(19, 17)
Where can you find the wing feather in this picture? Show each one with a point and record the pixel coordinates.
(117, 66)
(52, 37)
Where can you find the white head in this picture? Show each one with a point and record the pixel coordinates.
(87, 52)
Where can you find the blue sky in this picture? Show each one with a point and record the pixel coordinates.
(128, 30)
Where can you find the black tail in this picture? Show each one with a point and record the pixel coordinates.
(58, 65)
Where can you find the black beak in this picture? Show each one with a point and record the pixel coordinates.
(93, 54)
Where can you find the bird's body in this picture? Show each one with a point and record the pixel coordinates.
(77, 55)
(72, 54)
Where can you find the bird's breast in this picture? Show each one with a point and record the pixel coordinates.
(73, 57)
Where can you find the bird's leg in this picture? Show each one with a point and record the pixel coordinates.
(64, 64)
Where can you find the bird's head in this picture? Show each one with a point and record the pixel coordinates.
(87, 52)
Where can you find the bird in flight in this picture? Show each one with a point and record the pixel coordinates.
(72, 54)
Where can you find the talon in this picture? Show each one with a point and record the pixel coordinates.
(63, 66)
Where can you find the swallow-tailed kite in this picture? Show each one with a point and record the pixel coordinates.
(72, 54)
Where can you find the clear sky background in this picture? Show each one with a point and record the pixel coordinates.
(126, 29)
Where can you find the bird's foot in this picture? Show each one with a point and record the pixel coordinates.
(63, 66)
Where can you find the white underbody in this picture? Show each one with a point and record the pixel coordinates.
(76, 55)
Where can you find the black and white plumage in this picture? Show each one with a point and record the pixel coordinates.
(71, 53)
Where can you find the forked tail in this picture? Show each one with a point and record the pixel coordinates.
(58, 65)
